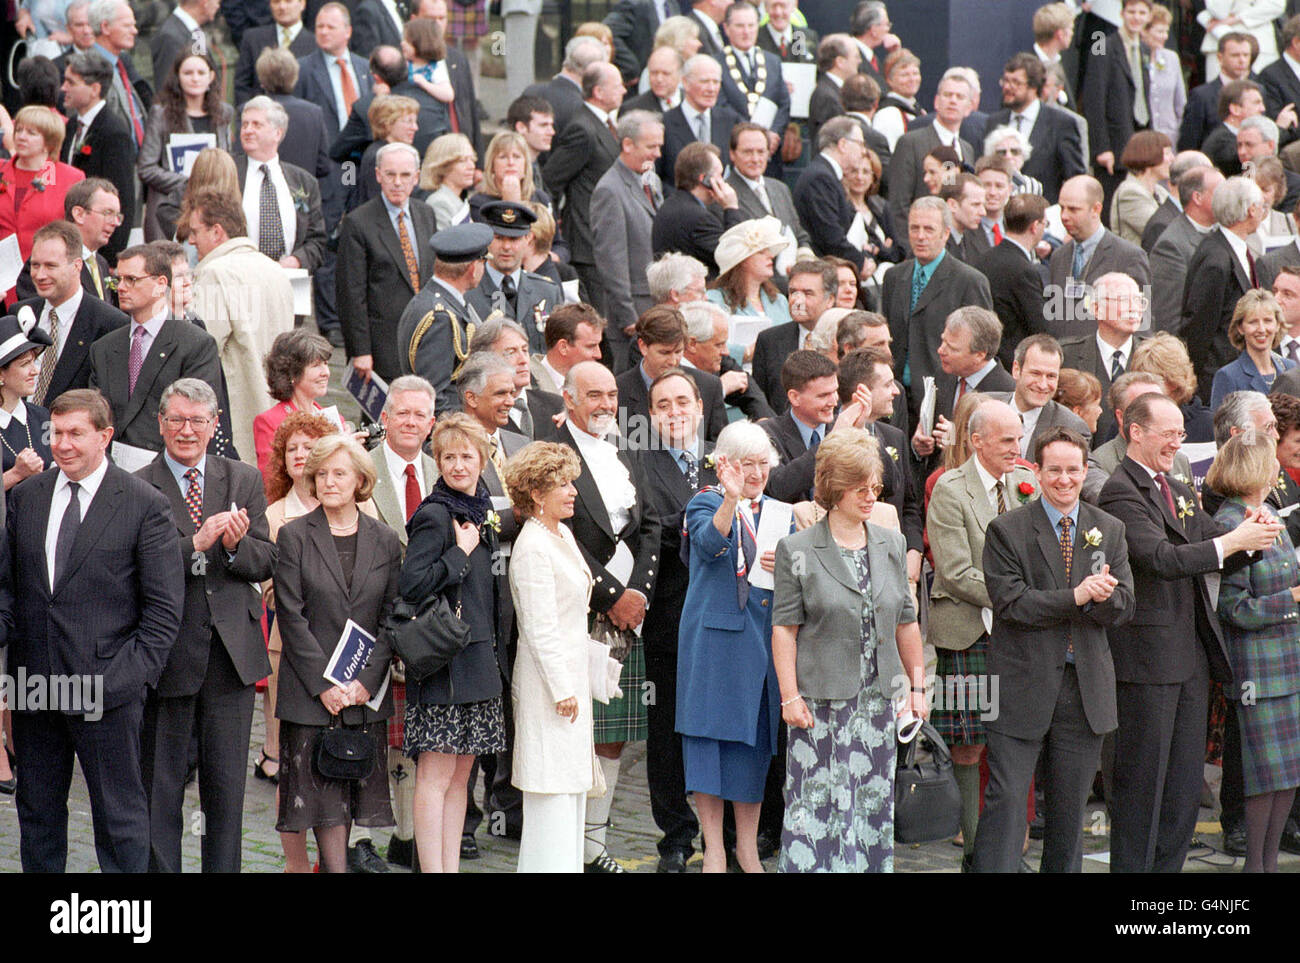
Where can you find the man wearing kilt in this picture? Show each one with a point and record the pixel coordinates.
(965, 500)
(618, 534)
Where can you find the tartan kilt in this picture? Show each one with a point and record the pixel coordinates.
(397, 721)
(625, 719)
(469, 21)
(1270, 744)
(959, 726)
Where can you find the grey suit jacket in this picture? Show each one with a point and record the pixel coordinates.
(1067, 316)
(1169, 260)
(905, 167)
(1053, 414)
(1106, 458)
(816, 591)
(389, 503)
(622, 219)
(1271, 264)
(782, 204)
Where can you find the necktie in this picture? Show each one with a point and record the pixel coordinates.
(962, 388)
(918, 286)
(1140, 113)
(748, 550)
(1020, 123)
(78, 140)
(135, 361)
(498, 460)
(702, 128)
(523, 418)
(136, 126)
(1293, 350)
(49, 359)
(762, 196)
(1002, 497)
(413, 498)
(783, 48)
(1067, 554)
(1076, 266)
(691, 469)
(613, 130)
(815, 439)
(270, 229)
(1250, 263)
(284, 38)
(194, 496)
(68, 528)
(408, 252)
(511, 293)
(1163, 484)
(349, 88)
(650, 196)
(1116, 364)
(452, 117)
(997, 234)
(92, 263)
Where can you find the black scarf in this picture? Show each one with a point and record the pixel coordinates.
(471, 508)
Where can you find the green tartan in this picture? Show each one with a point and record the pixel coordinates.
(960, 726)
(625, 719)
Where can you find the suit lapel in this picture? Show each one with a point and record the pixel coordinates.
(828, 554)
(319, 529)
(1049, 543)
(161, 478)
(589, 493)
(1148, 485)
(364, 561)
(216, 487)
(984, 510)
(153, 363)
(384, 229)
(385, 496)
(103, 508)
(76, 347)
(932, 287)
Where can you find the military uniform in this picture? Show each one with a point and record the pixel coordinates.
(537, 297)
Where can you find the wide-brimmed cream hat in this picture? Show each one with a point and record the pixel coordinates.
(747, 238)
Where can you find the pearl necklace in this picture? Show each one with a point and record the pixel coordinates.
(26, 427)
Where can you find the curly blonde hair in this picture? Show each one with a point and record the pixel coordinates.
(541, 466)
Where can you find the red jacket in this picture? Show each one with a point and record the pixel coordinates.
(38, 208)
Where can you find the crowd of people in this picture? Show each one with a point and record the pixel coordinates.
(722, 394)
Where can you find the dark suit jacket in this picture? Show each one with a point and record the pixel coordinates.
(432, 121)
(172, 39)
(1201, 114)
(802, 48)
(218, 596)
(1108, 96)
(251, 45)
(773, 346)
(678, 133)
(598, 542)
(1161, 219)
(646, 101)
(93, 320)
(1035, 617)
(372, 283)
(633, 24)
(752, 402)
(1017, 288)
(1281, 87)
(1221, 147)
(707, 44)
(782, 204)
(826, 211)
(824, 105)
(466, 102)
(1215, 283)
(1056, 151)
(773, 88)
(1169, 556)
(685, 225)
(1268, 267)
(26, 290)
(313, 601)
(564, 96)
(181, 350)
(1069, 316)
(116, 608)
(906, 166)
(372, 26)
(534, 292)
(634, 398)
(945, 385)
(1081, 353)
(579, 158)
(309, 225)
(314, 83)
(306, 144)
(970, 246)
(109, 152)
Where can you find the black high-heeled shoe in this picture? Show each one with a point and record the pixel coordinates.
(10, 786)
(260, 773)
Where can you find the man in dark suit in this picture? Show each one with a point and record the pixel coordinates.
(756, 195)
(837, 60)
(1270, 266)
(1172, 206)
(708, 16)
(707, 329)
(820, 197)
(375, 22)
(664, 72)
(919, 293)
(130, 96)
(206, 691)
(582, 154)
(1036, 370)
(794, 45)
(132, 365)
(860, 98)
(811, 292)
(285, 33)
(1116, 94)
(686, 223)
(93, 208)
(661, 337)
(384, 261)
(321, 78)
(564, 91)
(1056, 154)
(519, 295)
(907, 165)
(869, 26)
(964, 195)
(751, 75)
(1090, 252)
(1165, 660)
(1177, 244)
(699, 117)
(106, 606)
(1058, 576)
(387, 69)
(1237, 51)
(1219, 273)
(1257, 139)
(73, 318)
(633, 24)
(1012, 269)
(1118, 306)
(1239, 100)
(306, 143)
(1053, 26)
(98, 142)
(180, 33)
(675, 469)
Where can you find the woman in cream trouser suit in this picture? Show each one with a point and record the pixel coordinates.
(555, 758)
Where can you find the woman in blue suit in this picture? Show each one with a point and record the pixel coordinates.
(727, 701)
(1255, 328)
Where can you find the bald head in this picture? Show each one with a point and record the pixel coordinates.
(995, 431)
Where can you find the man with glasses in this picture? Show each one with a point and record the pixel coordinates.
(819, 195)
(1119, 306)
(132, 365)
(93, 208)
(1056, 153)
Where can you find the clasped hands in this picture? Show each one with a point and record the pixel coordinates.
(229, 527)
(338, 698)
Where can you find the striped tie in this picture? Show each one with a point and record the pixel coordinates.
(49, 359)
(1067, 553)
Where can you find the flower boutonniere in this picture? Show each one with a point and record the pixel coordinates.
(1024, 491)
(1280, 484)
(299, 195)
(493, 521)
(85, 150)
(1181, 478)
(892, 452)
(1185, 508)
(1093, 537)
(710, 463)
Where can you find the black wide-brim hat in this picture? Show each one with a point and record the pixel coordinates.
(19, 334)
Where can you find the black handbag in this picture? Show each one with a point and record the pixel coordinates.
(426, 640)
(343, 753)
(927, 803)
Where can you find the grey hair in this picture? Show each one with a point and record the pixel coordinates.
(701, 318)
(696, 62)
(478, 368)
(397, 146)
(745, 439)
(191, 389)
(866, 15)
(409, 383)
(999, 134)
(487, 333)
(581, 52)
(74, 5)
(631, 123)
(570, 385)
(1191, 181)
(277, 115)
(1184, 161)
(672, 272)
(960, 74)
(931, 203)
(835, 130)
(984, 327)
(1234, 412)
(825, 331)
(102, 12)
(984, 412)
(1267, 130)
(1233, 199)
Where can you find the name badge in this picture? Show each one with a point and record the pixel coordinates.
(1075, 288)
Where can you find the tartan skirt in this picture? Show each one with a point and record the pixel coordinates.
(956, 713)
(625, 719)
(1270, 744)
(471, 21)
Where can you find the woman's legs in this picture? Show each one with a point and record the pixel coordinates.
(1266, 816)
(747, 836)
(271, 744)
(434, 774)
(710, 809)
(332, 841)
(453, 812)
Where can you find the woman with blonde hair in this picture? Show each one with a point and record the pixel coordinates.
(448, 172)
(679, 32)
(213, 168)
(1255, 330)
(601, 32)
(507, 174)
(1165, 356)
(394, 119)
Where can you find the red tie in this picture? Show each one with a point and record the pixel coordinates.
(961, 388)
(451, 116)
(997, 234)
(413, 498)
(650, 196)
(130, 103)
(1250, 259)
(1165, 490)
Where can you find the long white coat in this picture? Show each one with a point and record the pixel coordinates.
(551, 587)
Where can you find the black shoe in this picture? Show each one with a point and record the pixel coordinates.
(1291, 837)
(401, 852)
(9, 786)
(334, 336)
(604, 863)
(1036, 827)
(1234, 840)
(768, 846)
(468, 848)
(673, 861)
(968, 863)
(259, 770)
(362, 858)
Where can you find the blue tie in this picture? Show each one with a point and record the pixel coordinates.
(1076, 270)
(918, 285)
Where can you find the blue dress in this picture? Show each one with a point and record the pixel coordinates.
(728, 703)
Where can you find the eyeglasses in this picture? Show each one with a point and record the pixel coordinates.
(1070, 472)
(131, 279)
(113, 217)
(873, 490)
(176, 423)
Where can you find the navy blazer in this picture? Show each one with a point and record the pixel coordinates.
(314, 83)
(678, 133)
(773, 89)
(825, 211)
(1242, 375)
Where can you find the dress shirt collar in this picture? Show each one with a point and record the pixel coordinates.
(927, 270)
(154, 324)
(1044, 56)
(1008, 239)
(397, 472)
(603, 116)
(107, 55)
(973, 380)
(990, 482)
(835, 165)
(946, 137)
(1239, 249)
(1292, 63)
(755, 186)
(1030, 114)
(393, 210)
(692, 114)
(555, 375)
(836, 80)
(693, 451)
(778, 37)
(89, 116)
(1054, 515)
(1108, 350)
(190, 23)
(496, 276)
(89, 485)
(806, 431)
(178, 471)
(19, 414)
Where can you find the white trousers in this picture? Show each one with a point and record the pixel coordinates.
(553, 832)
